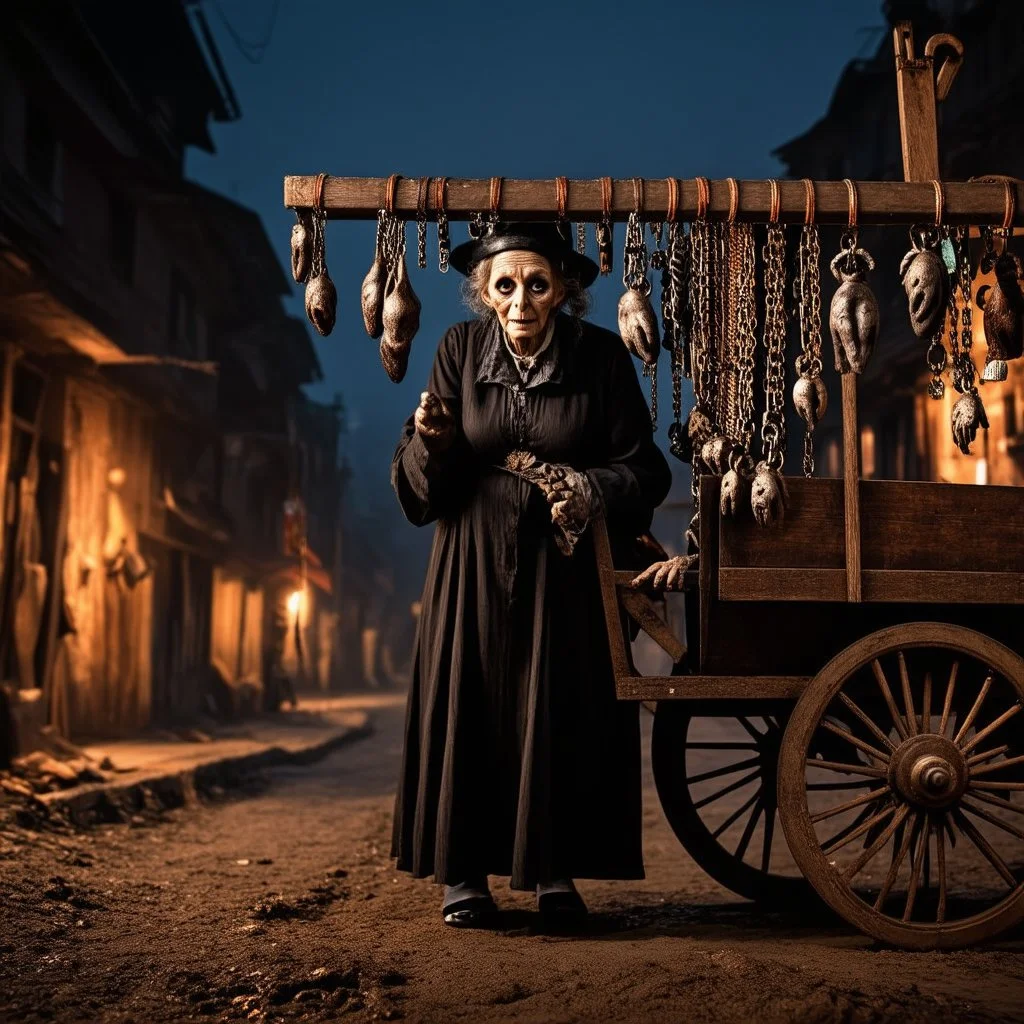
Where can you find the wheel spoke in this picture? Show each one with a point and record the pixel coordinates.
(746, 725)
(849, 703)
(940, 860)
(968, 829)
(883, 685)
(737, 814)
(948, 703)
(864, 798)
(748, 832)
(908, 700)
(894, 867)
(926, 704)
(847, 769)
(973, 713)
(858, 865)
(997, 801)
(980, 812)
(832, 787)
(717, 773)
(987, 755)
(915, 868)
(855, 831)
(738, 784)
(769, 835)
(1016, 786)
(991, 728)
(857, 742)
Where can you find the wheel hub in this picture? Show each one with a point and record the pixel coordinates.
(928, 771)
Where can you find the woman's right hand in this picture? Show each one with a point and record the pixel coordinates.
(434, 422)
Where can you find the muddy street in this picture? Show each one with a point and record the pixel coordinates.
(278, 902)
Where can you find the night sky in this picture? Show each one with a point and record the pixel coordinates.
(476, 89)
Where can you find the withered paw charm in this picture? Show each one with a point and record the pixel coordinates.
(853, 315)
(716, 454)
(321, 302)
(768, 495)
(968, 415)
(372, 297)
(638, 325)
(926, 283)
(1003, 317)
(734, 493)
(665, 576)
(810, 399)
(302, 250)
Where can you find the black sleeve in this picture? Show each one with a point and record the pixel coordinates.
(430, 485)
(635, 478)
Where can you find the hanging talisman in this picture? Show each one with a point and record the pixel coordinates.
(1002, 303)
(400, 309)
(768, 493)
(678, 318)
(968, 410)
(321, 295)
(810, 399)
(444, 242)
(853, 316)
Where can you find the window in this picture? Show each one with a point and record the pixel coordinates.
(181, 326)
(122, 237)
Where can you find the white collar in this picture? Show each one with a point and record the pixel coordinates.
(526, 363)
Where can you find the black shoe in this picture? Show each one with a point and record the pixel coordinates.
(562, 911)
(475, 912)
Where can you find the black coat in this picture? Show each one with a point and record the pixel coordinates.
(518, 758)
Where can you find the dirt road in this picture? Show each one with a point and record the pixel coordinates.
(280, 903)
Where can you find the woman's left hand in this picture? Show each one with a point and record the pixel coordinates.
(569, 493)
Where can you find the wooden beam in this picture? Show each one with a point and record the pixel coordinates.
(622, 662)
(915, 90)
(879, 202)
(705, 687)
(641, 610)
(851, 486)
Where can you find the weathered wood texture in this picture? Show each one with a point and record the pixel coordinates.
(880, 202)
(851, 492)
(711, 687)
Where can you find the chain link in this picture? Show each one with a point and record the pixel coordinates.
(746, 332)
(808, 363)
(773, 424)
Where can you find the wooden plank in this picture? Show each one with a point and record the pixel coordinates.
(878, 585)
(706, 687)
(622, 662)
(641, 609)
(915, 91)
(851, 488)
(879, 202)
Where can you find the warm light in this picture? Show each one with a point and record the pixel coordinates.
(294, 602)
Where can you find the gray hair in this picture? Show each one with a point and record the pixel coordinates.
(576, 302)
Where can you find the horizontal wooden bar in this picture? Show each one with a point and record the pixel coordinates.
(878, 585)
(879, 202)
(710, 687)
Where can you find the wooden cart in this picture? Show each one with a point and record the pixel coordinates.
(882, 733)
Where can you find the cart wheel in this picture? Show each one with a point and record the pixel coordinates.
(912, 834)
(716, 779)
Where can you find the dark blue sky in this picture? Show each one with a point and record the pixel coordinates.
(534, 90)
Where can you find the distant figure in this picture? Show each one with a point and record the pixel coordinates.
(519, 760)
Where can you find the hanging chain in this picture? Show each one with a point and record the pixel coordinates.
(581, 237)
(808, 363)
(746, 333)
(967, 372)
(635, 259)
(444, 243)
(773, 424)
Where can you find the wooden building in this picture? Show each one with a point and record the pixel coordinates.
(136, 308)
(905, 434)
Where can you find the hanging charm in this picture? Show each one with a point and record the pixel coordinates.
(925, 282)
(968, 413)
(444, 242)
(1002, 305)
(638, 325)
(421, 223)
(372, 294)
(581, 237)
(321, 295)
(400, 313)
(604, 228)
(810, 398)
(302, 246)
(768, 493)
(680, 320)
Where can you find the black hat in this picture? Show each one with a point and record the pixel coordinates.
(545, 238)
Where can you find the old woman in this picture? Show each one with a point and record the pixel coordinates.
(519, 761)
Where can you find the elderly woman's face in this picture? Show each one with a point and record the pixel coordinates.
(524, 292)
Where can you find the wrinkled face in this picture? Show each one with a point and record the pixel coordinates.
(524, 293)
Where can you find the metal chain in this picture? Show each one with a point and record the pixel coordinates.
(700, 290)
(635, 260)
(581, 237)
(773, 424)
(968, 373)
(746, 333)
(808, 363)
(952, 260)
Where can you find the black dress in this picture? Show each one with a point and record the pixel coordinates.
(518, 758)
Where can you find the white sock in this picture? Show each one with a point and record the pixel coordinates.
(473, 889)
(556, 885)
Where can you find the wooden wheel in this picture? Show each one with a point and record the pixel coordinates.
(716, 780)
(913, 833)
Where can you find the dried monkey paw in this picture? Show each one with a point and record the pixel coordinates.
(434, 422)
(666, 576)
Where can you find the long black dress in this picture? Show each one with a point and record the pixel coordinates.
(518, 758)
